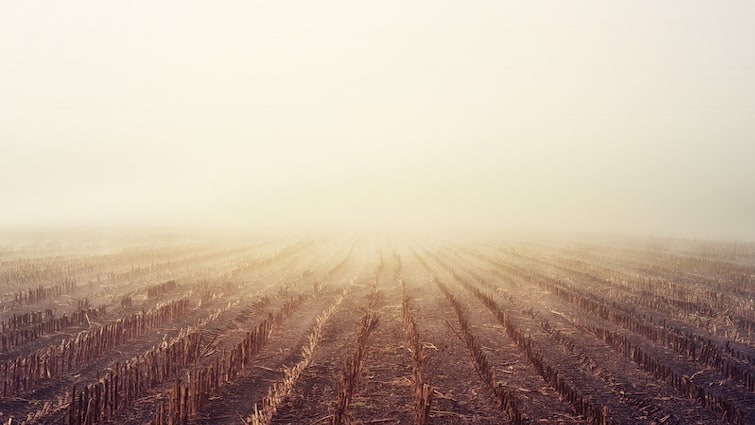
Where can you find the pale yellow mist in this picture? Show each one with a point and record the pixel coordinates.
(621, 116)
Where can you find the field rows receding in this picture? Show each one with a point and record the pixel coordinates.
(360, 331)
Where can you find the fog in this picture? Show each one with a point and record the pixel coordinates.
(630, 117)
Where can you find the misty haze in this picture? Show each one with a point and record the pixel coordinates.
(377, 213)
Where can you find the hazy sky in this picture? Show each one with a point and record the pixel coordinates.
(628, 116)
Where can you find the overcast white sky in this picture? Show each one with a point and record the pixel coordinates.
(606, 116)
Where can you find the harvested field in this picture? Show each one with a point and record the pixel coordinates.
(358, 331)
